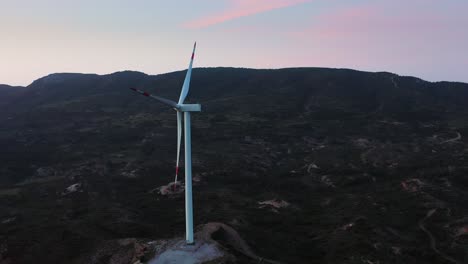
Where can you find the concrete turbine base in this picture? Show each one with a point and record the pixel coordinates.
(206, 249)
(181, 253)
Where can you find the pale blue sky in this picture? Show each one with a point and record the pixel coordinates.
(423, 38)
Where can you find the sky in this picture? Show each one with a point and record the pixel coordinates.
(422, 38)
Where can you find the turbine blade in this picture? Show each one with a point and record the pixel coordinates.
(160, 99)
(179, 139)
(186, 85)
(165, 101)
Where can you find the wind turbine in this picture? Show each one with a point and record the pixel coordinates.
(186, 109)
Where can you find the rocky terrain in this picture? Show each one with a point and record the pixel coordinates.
(308, 165)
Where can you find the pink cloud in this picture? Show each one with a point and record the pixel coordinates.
(242, 8)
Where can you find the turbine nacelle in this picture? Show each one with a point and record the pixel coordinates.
(188, 108)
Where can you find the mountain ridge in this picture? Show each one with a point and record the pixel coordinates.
(242, 68)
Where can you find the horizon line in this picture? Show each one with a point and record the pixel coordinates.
(230, 67)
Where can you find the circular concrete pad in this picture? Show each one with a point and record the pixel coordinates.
(181, 253)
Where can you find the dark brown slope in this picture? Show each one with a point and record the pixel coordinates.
(361, 157)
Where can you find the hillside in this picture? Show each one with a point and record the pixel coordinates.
(7, 93)
(372, 165)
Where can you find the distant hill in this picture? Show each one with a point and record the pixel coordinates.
(340, 89)
(372, 166)
(8, 93)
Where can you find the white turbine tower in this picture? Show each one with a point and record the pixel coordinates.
(180, 107)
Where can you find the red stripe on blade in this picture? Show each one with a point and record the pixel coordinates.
(146, 94)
